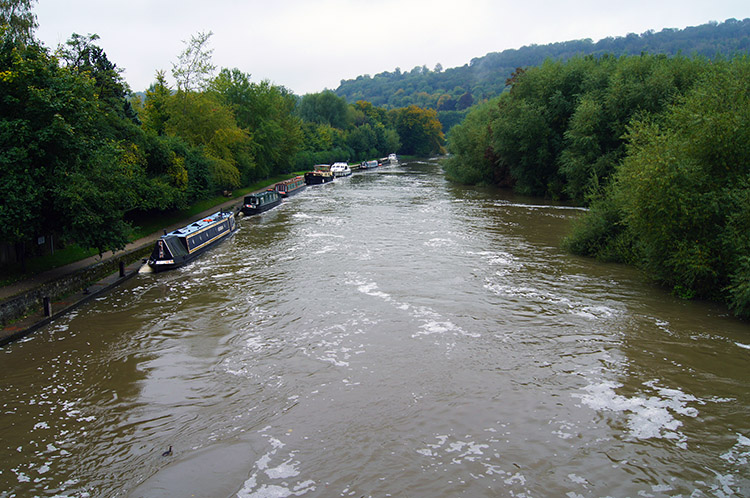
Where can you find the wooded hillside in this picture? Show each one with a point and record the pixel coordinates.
(456, 89)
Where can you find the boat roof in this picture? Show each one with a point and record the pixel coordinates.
(264, 193)
(200, 224)
(292, 180)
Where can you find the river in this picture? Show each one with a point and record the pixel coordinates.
(388, 334)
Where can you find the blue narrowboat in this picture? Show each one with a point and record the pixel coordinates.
(176, 248)
(290, 186)
(260, 201)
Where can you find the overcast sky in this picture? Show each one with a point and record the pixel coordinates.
(308, 46)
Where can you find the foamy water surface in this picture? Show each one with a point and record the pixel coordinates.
(388, 334)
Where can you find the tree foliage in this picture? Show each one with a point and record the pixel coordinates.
(79, 159)
(266, 111)
(560, 130)
(419, 130)
(325, 108)
(334, 131)
(58, 168)
(17, 21)
(684, 189)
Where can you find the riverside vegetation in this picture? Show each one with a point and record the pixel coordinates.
(658, 147)
(83, 157)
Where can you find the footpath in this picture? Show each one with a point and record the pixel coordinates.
(38, 288)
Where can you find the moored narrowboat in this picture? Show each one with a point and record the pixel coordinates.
(260, 201)
(176, 248)
(321, 173)
(290, 186)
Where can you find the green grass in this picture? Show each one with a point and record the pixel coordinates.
(141, 228)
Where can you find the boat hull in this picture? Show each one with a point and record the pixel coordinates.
(252, 210)
(317, 179)
(288, 193)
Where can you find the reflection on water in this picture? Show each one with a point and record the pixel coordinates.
(388, 334)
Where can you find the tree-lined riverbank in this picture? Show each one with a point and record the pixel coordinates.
(657, 147)
(83, 156)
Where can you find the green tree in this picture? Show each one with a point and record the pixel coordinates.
(325, 108)
(267, 112)
(56, 161)
(204, 121)
(155, 113)
(81, 55)
(684, 189)
(419, 130)
(17, 21)
(616, 91)
(473, 161)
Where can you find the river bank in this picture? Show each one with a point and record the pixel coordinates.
(22, 303)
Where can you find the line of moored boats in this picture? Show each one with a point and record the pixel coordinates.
(181, 246)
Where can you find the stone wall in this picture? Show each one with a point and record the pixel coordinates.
(19, 306)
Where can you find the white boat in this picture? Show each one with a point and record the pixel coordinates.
(368, 165)
(391, 160)
(341, 169)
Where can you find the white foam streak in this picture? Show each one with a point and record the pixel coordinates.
(648, 417)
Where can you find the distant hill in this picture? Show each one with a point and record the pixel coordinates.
(456, 89)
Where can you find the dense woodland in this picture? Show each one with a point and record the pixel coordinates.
(81, 155)
(657, 146)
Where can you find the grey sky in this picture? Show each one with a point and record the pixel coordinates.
(309, 46)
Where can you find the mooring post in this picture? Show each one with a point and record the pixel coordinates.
(122, 268)
(47, 306)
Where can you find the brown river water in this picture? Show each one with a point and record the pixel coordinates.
(389, 334)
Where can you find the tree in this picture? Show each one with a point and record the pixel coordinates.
(465, 101)
(325, 108)
(156, 108)
(266, 111)
(194, 68)
(684, 189)
(81, 55)
(473, 161)
(17, 21)
(204, 121)
(59, 173)
(419, 130)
